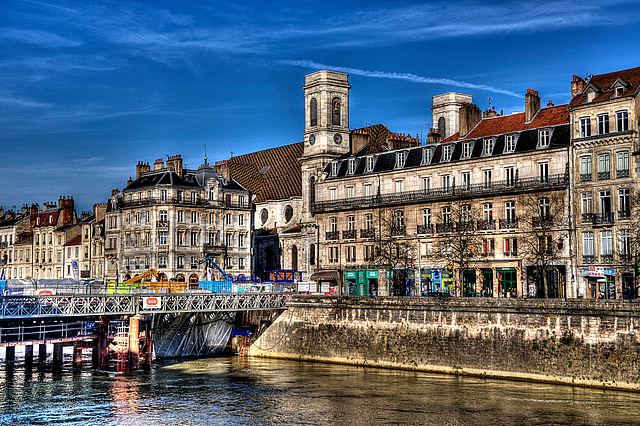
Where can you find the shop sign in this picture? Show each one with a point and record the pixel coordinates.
(351, 275)
(372, 274)
(609, 271)
(595, 272)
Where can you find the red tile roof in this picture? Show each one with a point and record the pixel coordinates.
(282, 179)
(604, 82)
(47, 219)
(74, 241)
(502, 124)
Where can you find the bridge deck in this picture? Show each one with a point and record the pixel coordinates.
(44, 307)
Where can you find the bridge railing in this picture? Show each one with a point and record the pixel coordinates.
(22, 307)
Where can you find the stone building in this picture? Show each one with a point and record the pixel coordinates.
(49, 234)
(170, 218)
(12, 225)
(604, 184)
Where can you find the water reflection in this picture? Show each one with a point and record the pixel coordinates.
(256, 391)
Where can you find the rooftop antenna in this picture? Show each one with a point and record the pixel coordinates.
(231, 154)
(205, 153)
(489, 101)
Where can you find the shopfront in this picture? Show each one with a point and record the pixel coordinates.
(601, 283)
(507, 282)
(361, 283)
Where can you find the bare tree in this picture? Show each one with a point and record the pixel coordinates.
(630, 246)
(543, 225)
(393, 252)
(460, 243)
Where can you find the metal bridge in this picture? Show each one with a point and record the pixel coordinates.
(49, 307)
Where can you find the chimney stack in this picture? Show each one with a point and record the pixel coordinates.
(68, 212)
(99, 211)
(175, 162)
(222, 168)
(488, 113)
(470, 115)
(577, 85)
(433, 137)
(141, 168)
(531, 105)
(158, 165)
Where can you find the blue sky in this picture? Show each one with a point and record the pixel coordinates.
(87, 89)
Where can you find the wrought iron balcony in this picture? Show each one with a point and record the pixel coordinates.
(368, 233)
(349, 234)
(626, 258)
(162, 224)
(622, 173)
(606, 258)
(486, 225)
(444, 227)
(586, 177)
(624, 214)
(587, 217)
(453, 192)
(335, 235)
(605, 218)
(508, 223)
(488, 253)
(398, 231)
(542, 221)
(425, 229)
(588, 259)
(604, 175)
(186, 202)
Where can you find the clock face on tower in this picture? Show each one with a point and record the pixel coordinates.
(312, 139)
(337, 138)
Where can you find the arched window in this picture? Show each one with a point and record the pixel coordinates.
(442, 127)
(312, 254)
(335, 112)
(313, 112)
(294, 258)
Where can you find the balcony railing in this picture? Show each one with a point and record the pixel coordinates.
(162, 224)
(4, 244)
(542, 221)
(486, 225)
(605, 218)
(626, 258)
(368, 233)
(585, 177)
(606, 258)
(349, 234)
(587, 217)
(488, 253)
(408, 197)
(624, 214)
(508, 223)
(398, 231)
(444, 227)
(425, 229)
(604, 175)
(588, 259)
(186, 202)
(622, 173)
(335, 235)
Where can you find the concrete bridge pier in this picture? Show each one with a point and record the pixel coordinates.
(57, 354)
(77, 355)
(134, 342)
(100, 355)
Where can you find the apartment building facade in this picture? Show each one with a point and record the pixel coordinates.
(170, 218)
(604, 151)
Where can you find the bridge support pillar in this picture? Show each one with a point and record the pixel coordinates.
(148, 348)
(42, 353)
(103, 344)
(10, 354)
(134, 341)
(28, 355)
(57, 354)
(77, 355)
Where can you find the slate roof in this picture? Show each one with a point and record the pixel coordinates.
(190, 179)
(603, 83)
(47, 218)
(281, 176)
(555, 118)
(74, 241)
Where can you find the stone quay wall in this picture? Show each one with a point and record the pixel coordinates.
(578, 342)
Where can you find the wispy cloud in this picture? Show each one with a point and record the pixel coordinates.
(37, 37)
(21, 102)
(399, 76)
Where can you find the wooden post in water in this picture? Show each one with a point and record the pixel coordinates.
(42, 353)
(148, 348)
(28, 355)
(10, 354)
(103, 344)
(77, 355)
(57, 354)
(134, 342)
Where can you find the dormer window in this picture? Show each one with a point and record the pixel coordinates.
(427, 154)
(544, 138)
(466, 149)
(38, 221)
(50, 219)
(591, 95)
(447, 150)
(351, 166)
(487, 146)
(334, 169)
(369, 163)
(510, 143)
(619, 91)
(401, 157)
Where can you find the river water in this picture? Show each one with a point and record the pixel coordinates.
(238, 391)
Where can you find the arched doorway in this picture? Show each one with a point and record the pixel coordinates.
(294, 258)
(180, 278)
(193, 282)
